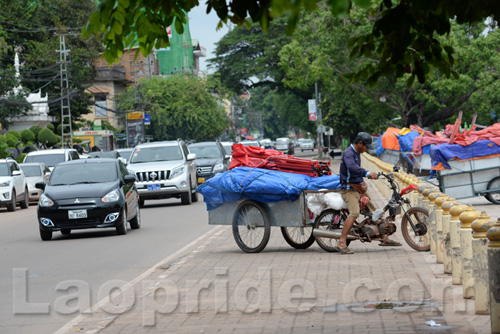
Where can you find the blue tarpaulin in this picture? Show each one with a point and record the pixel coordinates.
(262, 185)
(406, 141)
(444, 152)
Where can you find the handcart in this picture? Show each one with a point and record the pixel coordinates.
(470, 178)
(251, 222)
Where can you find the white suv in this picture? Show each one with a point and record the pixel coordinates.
(13, 188)
(52, 157)
(164, 170)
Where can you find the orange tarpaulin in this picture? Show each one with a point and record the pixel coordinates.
(390, 140)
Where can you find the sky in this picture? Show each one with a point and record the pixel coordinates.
(203, 28)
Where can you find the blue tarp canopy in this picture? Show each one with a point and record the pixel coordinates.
(261, 185)
(444, 152)
(406, 141)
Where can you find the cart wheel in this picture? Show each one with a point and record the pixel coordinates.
(493, 184)
(329, 220)
(298, 237)
(419, 218)
(251, 226)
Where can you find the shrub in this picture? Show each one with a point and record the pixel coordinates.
(44, 135)
(51, 127)
(20, 159)
(27, 135)
(35, 129)
(11, 140)
(15, 134)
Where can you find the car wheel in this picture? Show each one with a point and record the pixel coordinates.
(65, 231)
(26, 201)
(12, 204)
(135, 223)
(121, 228)
(141, 202)
(45, 235)
(194, 195)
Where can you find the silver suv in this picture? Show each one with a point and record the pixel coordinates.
(13, 188)
(164, 170)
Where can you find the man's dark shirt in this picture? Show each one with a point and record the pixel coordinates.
(350, 168)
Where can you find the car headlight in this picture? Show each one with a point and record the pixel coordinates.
(176, 172)
(5, 184)
(45, 201)
(218, 168)
(112, 196)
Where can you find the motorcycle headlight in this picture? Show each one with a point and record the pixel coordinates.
(5, 184)
(112, 196)
(176, 172)
(218, 168)
(45, 201)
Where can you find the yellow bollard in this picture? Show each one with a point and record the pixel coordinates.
(493, 236)
(466, 218)
(480, 264)
(456, 251)
(439, 227)
(432, 219)
(446, 243)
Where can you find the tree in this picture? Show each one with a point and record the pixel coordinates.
(180, 107)
(402, 36)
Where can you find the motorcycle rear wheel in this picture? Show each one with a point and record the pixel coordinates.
(329, 220)
(417, 215)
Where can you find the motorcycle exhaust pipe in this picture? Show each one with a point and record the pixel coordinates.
(331, 234)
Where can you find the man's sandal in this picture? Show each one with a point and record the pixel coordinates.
(343, 250)
(390, 243)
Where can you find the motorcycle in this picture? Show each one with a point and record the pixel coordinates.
(376, 225)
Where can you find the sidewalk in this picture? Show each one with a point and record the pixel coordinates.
(211, 286)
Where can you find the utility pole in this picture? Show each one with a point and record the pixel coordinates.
(66, 128)
(318, 120)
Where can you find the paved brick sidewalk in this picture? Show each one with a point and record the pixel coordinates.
(213, 287)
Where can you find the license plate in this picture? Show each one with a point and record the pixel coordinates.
(201, 179)
(77, 214)
(152, 187)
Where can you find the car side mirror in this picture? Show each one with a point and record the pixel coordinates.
(40, 185)
(191, 156)
(129, 179)
(16, 173)
(123, 160)
(227, 156)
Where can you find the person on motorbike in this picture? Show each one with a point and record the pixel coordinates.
(351, 178)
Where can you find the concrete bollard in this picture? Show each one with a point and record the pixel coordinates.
(493, 236)
(467, 218)
(432, 218)
(439, 227)
(446, 243)
(480, 264)
(456, 251)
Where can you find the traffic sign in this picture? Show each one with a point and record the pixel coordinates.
(321, 128)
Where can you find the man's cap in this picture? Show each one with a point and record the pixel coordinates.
(365, 138)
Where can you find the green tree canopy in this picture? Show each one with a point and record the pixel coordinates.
(180, 107)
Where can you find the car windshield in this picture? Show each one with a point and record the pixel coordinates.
(31, 171)
(307, 141)
(83, 173)
(282, 141)
(205, 152)
(125, 153)
(111, 155)
(49, 159)
(156, 153)
(4, 169)
(228, 148)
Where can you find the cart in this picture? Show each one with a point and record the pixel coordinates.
(251, 222)
(472, 178)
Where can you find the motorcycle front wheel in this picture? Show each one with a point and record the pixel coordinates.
(329, 220)
(420, 240)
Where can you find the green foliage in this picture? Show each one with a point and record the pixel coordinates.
(11, 140)
(14, 133)
(51, 127)
(35, 129)
(45, 135)
(20, 158)
(3, 148)
(27, 136)
(180, 107)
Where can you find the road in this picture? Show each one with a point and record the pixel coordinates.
(85, 259)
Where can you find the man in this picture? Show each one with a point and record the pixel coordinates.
(352, 173)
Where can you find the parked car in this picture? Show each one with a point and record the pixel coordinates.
(35, 172)
(125, 153)
(307, 144)
(52, 157)
(108, 155)
(211, 159)
(88, 193)
(228, 146)
(13, 188)
(255, 143)
(164, 170)
(282, 144)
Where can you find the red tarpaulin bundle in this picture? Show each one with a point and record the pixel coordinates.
(258, 157)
